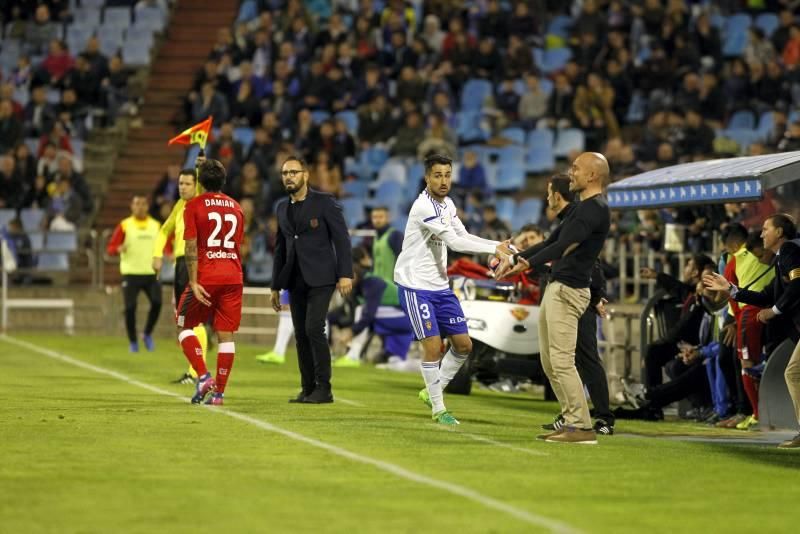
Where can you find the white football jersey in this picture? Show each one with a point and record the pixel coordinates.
(431, 227)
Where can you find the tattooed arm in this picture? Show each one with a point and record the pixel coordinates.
(191, 266)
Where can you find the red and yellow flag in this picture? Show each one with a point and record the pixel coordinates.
(196, 134)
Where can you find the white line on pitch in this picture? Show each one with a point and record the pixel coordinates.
(350, 402)
(508, 446)
(553, 525)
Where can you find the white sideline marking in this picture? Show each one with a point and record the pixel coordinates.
(508, 446)
(401, 472)
(350, 402)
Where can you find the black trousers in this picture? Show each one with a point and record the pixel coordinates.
(687, 382)
(590, 368)
(309, 307)
(181, 280)
(132, 284)
(659, 353)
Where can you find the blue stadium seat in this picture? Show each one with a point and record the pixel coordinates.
(540, 137)
(77, 37)
(540, 158)
(22, 95)
(350, 118)
(637, 109)
(768, 22)
(529, 211)
(53, 261)
(78, 146)
(245, 136)
(474, 93)
(510, 177)
(31, 218)
(140, 35)
(394, 172)
(468, 127)
(555, 59)
(260, 272)
(743, 136)
(373, 158)
(516, 135)
(61, 241)
(415, 173)
(95, 4)
(355, 188)
(511, 155)
(135, 54)
(738, 23)
(560, 25)
(538, 56)
(37, 241)
(400, 221)
(320, 115)
(247, 11)
(110, 38)
(567, 140)
(119, 17)
(87, 16)
(547, 85)
(6, 215)
(390, 194)
(766, 122)
(353, 167)
(733, 44)
(353, 211)
(505, 208)
(719, 21)
(150, 18)
(742, 119)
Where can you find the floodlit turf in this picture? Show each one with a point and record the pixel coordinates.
(86, 452)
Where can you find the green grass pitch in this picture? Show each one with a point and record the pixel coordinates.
(85, 452)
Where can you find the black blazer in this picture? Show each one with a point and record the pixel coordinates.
(320, 244)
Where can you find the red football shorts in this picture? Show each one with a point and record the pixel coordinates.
(225, 309)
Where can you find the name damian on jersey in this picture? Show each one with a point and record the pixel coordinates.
(219, 202)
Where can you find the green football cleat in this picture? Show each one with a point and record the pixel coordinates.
(444, 418)
(424, 397)
(271, 357)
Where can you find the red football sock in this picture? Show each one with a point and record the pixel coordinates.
(225, 356)
(751, 390)
(193, 351)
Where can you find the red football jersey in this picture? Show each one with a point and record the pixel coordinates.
(216, 221)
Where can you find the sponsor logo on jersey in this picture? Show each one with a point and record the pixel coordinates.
(220, 255)
(456, 320)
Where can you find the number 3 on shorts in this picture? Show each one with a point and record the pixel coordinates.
(424, 310)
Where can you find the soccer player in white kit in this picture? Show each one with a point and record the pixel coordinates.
(421, 277)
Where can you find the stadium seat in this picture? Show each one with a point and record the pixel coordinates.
(245, 136)
(53, 261)
(61, 241)
(247, 11)
(538, 56)
(37, 241)
(77, 37)
(546, 85)
(87, 16)
(505, 208)
(94, 4)
(135, 54)
(560, 25)
(22, 95)
(765, 123)
(529, 211)
(468, 127)
(474, 93)
(567, 140)
(350, 118)
(137, 34)
(394, 172)
(510, 155)
(539, 137)
(742, 119)
(718, 21)
(768, 22)
(353, 167)
(119, 17)
(637, 109)
(510, 177)
(355, 188)
(540, 158)
(733, 44)
(400, 221)
(353, 211)
(738, 23)
(372, 159)
(110, 38)
(743, 136)
(390, 194)
(516, 135)
(555, 59)
(5, 216)
(31, 218)
(150, 18)
(320, 115)
(77, 148)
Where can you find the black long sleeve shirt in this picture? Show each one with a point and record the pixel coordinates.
(576, 243)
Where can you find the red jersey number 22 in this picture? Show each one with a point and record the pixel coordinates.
(213, 242)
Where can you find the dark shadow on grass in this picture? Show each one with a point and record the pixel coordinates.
(767, 454)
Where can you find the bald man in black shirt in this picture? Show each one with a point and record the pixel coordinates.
(576, 244)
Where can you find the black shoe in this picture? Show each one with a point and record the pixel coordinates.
(301, 397)
(601, 427)
(185, 379)
(319, 396)
(557, 424)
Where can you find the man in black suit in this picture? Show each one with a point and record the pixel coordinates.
(312, 257)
